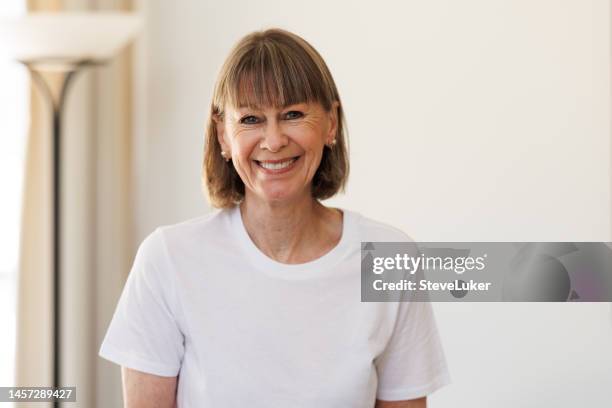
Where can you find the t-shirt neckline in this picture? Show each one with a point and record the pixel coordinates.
(305, 270)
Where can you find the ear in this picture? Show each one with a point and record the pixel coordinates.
(220, 127)
(333, 117)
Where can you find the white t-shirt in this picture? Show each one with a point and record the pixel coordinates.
(240, 329)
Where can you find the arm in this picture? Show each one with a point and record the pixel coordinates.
(414, 403)
(142, 390)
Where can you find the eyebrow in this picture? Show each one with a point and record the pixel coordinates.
(259, 107)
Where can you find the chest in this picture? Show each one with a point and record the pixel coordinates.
(310, 342)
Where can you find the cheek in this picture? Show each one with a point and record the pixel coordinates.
(243, 143)
(313, 146)
(308, 135)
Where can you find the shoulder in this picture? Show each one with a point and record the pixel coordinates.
(368, 229)
(183, 234)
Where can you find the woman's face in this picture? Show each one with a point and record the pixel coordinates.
(276, 151)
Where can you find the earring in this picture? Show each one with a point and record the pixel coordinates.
(332, 143)
(225, 155)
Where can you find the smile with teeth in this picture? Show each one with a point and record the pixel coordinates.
(276, 165)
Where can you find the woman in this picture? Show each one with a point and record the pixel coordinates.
(258, 304)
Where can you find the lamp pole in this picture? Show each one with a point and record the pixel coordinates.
(69, 70)
(64, 42)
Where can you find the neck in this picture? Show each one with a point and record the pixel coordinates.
(291, 232)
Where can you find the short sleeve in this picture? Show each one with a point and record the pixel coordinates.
(413, 364)
(144, 333)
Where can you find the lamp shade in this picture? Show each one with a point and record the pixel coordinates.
(67, 36)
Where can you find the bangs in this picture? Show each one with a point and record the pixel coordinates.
(268, 75)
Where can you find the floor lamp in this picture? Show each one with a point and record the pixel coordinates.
(65, 43)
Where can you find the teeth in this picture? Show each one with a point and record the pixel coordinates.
(276, 166)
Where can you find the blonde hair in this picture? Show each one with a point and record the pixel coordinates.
(272, 68)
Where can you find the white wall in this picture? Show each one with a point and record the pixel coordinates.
(469, 120)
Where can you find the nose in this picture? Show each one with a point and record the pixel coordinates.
(274, 139)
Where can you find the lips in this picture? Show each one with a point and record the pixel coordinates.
(276, 166)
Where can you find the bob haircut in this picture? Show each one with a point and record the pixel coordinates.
(272, 68)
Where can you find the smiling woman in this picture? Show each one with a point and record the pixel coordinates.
(284, 73)
(258, 304)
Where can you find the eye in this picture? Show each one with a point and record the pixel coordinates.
(294, 115)
(249, 120)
